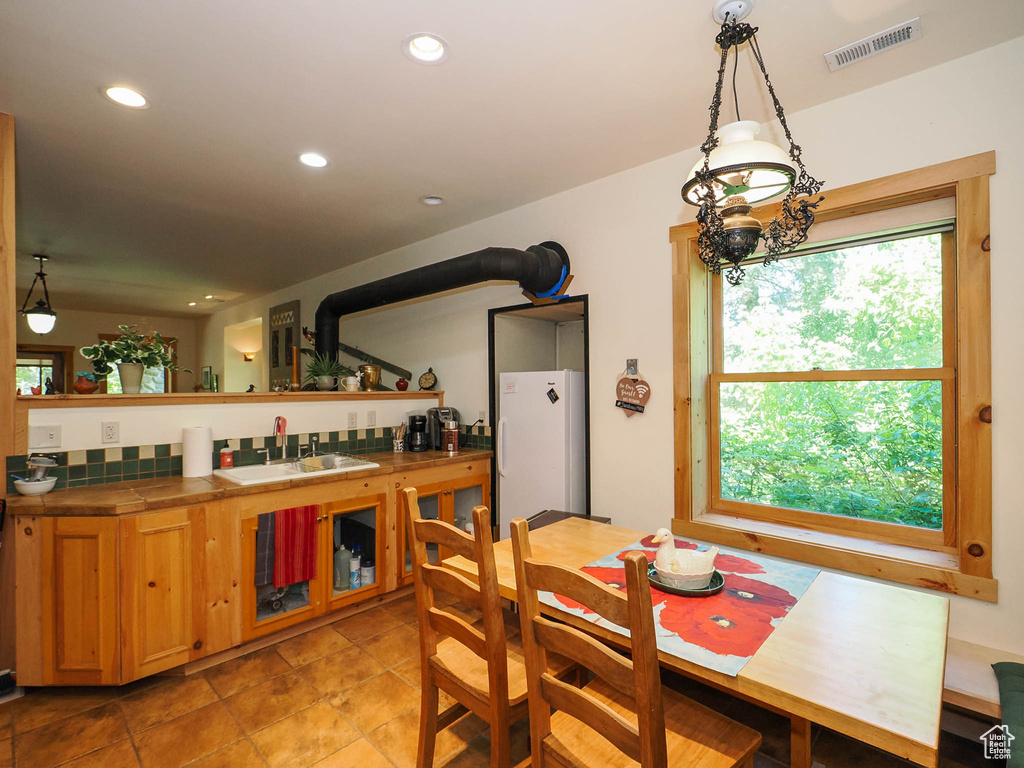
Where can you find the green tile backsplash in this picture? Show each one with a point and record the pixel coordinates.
(140, 462)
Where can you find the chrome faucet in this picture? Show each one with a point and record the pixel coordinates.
(314, 443)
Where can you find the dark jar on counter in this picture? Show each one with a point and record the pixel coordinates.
(450, 437)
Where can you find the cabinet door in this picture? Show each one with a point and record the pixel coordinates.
(353, 523)
(158, 551)
(465, 494)
(431, 501)
(79, 601)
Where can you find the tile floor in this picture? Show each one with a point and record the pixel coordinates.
(339, 696)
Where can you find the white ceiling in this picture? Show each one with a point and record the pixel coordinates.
(202, 194)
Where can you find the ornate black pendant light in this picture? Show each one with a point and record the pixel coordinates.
(737, 171)
(41, 317)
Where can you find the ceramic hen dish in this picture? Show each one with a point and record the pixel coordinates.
(713, 587)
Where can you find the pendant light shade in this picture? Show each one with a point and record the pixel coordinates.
(742, 165)
(41, 318)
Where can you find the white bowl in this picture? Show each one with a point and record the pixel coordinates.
(35, 487)
(685, 580)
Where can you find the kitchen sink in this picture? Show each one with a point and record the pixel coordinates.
(273, 473)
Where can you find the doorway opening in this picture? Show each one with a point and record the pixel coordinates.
(542, 440)
(243, 357)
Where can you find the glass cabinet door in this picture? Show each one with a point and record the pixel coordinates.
(429, 499)
(353, 549)
(271, 600)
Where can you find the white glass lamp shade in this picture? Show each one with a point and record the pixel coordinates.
(742, 165)
(41, 318)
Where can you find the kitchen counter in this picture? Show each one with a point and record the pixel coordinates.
(134, 496)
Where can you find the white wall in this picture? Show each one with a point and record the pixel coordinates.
(81, 328)
(616, 233)
(569, 351)
(151, 425)
(523, 344)
(239, 374)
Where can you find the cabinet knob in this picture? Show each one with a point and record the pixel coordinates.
(197, 645)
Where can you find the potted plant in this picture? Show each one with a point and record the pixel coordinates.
(133, 353)
(85, 382)
(324, 371)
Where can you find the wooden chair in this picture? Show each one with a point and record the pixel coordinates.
(479, 664)
(624, 716)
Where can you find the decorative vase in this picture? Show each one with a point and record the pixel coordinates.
(84, 386)
(325, 383)
(131, 377)
(401, 385)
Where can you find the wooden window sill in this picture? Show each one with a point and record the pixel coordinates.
(937, 570)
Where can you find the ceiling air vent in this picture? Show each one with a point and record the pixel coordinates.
(874, 45)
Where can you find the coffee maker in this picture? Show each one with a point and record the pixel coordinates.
(436, 417)
(418, 440)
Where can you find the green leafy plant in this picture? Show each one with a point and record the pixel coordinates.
(323, 365)
(132, 347)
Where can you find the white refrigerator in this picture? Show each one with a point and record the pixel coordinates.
(541, 444)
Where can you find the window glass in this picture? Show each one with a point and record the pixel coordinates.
(864, 449)
(876, 306)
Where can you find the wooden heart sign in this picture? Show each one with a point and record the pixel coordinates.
(632, 395)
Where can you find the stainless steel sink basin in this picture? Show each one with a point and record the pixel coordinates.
(273, 473)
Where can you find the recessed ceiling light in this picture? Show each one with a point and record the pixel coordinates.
(126, 97)
(312, 159)
(431, 200)
(426, 49)
(191, 303)
(208, 296)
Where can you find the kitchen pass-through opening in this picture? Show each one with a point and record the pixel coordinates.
(539, 409)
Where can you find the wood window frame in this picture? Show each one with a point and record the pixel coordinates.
(170, 382)
(959, 558)
(67, 355)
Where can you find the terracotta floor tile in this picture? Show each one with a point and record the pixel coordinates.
(333, 674)
(310, 646)
(70, 737)
(393, 647)
(403, 609)
(6, 753)
(246, 671)
(366, 624)
(165, 702)
(44, 705)
(241, 754)
(186, 738)
(373, 702)
(119, 755)
(305, 737)
(360, 753)
(409, 670)
(5, 720)
(268, 702)
(398, 738)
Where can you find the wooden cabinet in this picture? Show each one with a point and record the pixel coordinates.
(451, 500)
(67, 601)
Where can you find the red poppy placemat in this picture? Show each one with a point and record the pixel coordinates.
(723, 631)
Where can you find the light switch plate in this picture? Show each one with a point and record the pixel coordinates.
(351, 420)
(44, 437)
(371, 418)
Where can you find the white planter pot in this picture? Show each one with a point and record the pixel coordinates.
(325, 383)
(131, 377)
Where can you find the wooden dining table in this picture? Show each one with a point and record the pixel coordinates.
(862, 658)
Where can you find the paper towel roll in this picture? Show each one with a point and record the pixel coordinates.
(196, 451)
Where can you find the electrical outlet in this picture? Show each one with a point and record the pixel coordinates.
(482, 416)
(351, 420)
(371, 418)
(44, 437)
(110, 432)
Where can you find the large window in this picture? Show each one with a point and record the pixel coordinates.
(835, 407)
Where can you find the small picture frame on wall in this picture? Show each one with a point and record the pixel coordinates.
(207, 378)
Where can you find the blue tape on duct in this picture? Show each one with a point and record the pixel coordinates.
(557, 287)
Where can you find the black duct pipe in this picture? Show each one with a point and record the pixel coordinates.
(540, 269)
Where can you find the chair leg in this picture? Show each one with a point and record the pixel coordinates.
(428, 725)
(501, 747)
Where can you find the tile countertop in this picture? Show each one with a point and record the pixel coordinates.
(134, 496)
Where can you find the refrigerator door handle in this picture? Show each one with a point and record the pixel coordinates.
(501, 447)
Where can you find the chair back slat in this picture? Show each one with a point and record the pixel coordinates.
(439, 577)
(633, 611)
(446, 535)
(584, 707)
(597, 596)
(594, 655)
(458, 629)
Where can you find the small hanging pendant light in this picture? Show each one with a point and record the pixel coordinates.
(41, 317)
(738, 171)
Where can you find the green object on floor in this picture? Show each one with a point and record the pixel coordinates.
(1011, 699)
